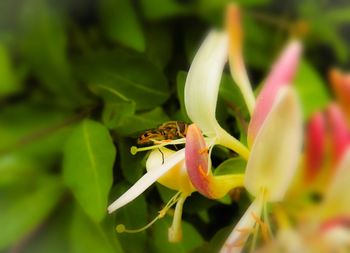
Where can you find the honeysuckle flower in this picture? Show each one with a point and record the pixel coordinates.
(201, 92)
(272, 164)
(274, 135)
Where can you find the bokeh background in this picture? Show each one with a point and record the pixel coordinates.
(122, 64)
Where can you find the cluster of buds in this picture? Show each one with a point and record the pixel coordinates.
(315, 216)
(273, 151)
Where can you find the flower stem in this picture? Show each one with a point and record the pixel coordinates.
(175, 231)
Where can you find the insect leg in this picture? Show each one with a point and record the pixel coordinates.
(162, 155)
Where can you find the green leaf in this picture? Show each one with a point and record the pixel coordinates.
(157, 9)
(143, 121)
(121, 24)
(44, 43)
(159, 45)
(235, 165)
(16, 169)
(8, 81)
(338, 16)
(34, 130)
(87, 167)
(190, 240)
(132, 216)
(259, 38)
(311, 88)
(253, 3)
(116, 106)
(53, 236)
(24, 207)
(128, 76)
(89, 237)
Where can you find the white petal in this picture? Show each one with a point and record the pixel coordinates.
(337, 198)
(147, 180)
(203, 80)
(236, 240)
(276, 148)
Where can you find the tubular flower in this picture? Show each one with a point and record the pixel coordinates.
(274, 135)
(276, 146)
(272, 164)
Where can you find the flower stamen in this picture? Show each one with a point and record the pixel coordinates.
(120, 228)
(134, 150)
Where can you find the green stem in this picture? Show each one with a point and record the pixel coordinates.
(232, 143)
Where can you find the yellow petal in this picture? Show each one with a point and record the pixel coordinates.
(176, 178)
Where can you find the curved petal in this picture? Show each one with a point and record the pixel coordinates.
(276, 149)
(281, 74)
(237, 66)
(197, 160)
(199, 171)
(203, 80)
(147, 180)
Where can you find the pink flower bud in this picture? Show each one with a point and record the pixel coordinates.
(281, 74)
(338, 131)
(315, 145)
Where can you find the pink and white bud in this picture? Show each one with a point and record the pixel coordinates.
(282, 74)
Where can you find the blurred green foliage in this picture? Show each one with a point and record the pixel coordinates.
(79, 80)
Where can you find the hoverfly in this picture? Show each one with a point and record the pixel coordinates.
(170, 130)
